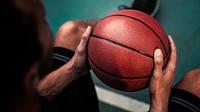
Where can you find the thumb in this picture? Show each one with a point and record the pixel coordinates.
(158, 62)
(85, 37)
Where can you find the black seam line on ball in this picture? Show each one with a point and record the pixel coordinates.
(115, 74)
(130, 48)
(142, 23)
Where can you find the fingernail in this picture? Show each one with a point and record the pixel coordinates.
(158, 53)
(88, 29)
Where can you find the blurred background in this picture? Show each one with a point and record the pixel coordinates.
(179, 18)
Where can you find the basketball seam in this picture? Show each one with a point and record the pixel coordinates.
(142, 23)
(115, 75)
(130, 48)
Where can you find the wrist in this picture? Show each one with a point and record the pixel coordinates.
(158, 104)
(77, 70)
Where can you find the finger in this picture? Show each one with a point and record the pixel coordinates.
(85, 38)
(171, 66)
(158, 62)
(86, 35)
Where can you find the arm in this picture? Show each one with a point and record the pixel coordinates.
(56, 81)
(162, 80)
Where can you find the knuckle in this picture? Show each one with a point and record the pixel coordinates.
(72, 26)
(171, 69)
(158, 62)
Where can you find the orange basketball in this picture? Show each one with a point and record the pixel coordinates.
(121, 49)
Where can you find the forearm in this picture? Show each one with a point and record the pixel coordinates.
(56, 81)
(158, 104)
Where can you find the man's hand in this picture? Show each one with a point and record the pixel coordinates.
(55, 82)
(162, 80)
(79, 60)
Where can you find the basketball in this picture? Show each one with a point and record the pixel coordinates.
(121, 49)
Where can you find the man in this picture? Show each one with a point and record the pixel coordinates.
(69, 33)
(26, 56)
(26, 45)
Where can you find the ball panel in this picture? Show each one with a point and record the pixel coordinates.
(117, 60)
(150, 21)
(135, 34)
(120, 83)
